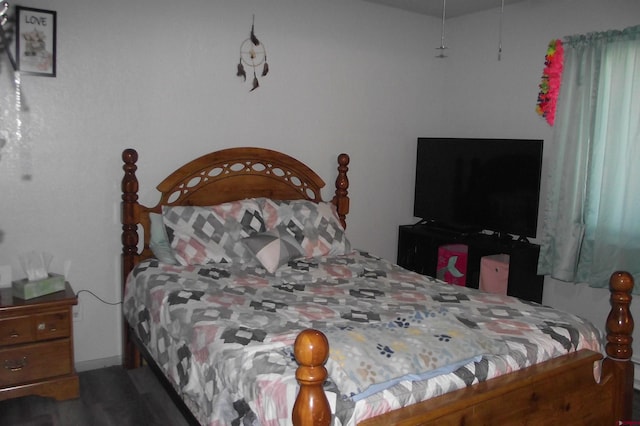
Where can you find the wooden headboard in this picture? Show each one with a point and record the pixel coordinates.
(221, 176)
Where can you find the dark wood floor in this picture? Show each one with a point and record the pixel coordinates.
(109, 396)
(113, 396)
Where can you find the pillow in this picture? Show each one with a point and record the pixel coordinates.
(201, 235)
(315, 226)
(274, 248)
(159, 242)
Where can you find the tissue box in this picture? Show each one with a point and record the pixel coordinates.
(452, 264)
(494, 273)
(25, 289)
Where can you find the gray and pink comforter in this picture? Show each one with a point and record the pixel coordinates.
(223, 335)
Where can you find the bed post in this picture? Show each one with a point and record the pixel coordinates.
(311, 408)
(131, 357)
(341, 199)
(619, 338)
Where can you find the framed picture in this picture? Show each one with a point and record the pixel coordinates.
(36, 41)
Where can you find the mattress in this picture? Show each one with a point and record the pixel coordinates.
(223, 334)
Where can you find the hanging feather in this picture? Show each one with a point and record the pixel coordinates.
(265, 67)
(255, 82)
(241, 72)
(253, 37)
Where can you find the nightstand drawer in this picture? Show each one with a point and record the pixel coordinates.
(52, 325)
(16, 330)
(26, 363)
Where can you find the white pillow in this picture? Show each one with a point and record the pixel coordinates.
(158, 241)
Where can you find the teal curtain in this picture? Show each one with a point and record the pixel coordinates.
(591, 219)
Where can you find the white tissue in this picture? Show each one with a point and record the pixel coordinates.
(36, 264)
(67, 267)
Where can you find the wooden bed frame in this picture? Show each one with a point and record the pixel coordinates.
(560, 391)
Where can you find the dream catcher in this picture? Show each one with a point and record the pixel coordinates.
(252, 54)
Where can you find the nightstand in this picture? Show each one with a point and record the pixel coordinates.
(36, 346)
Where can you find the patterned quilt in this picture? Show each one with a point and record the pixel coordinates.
(223, 334)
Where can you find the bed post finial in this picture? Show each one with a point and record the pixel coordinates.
(129, 238)
(311, 408)
(129, 201)
(620, 322)
(619, 339)
(341, 199)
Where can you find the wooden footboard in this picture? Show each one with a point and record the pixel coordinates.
(561, 391)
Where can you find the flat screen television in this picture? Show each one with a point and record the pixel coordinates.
(473, 185)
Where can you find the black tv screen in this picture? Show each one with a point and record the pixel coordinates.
(476, 185)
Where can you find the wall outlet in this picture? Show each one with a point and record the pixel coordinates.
(5, 276)
(77, 312)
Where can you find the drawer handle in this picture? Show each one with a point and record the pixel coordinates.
(14, 334)
(43, 326)
(15, 364)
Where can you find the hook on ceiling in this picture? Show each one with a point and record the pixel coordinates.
(442, 46)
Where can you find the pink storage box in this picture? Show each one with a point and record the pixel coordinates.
(452, 264)
(494, 273)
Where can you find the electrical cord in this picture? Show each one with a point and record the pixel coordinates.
(98, 297)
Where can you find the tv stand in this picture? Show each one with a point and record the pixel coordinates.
(502, 236)
(438, 226)
(418, 251)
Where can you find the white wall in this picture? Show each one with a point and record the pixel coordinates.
(160, 76)
(346, 76)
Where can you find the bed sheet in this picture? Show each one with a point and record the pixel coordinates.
(223, 334)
